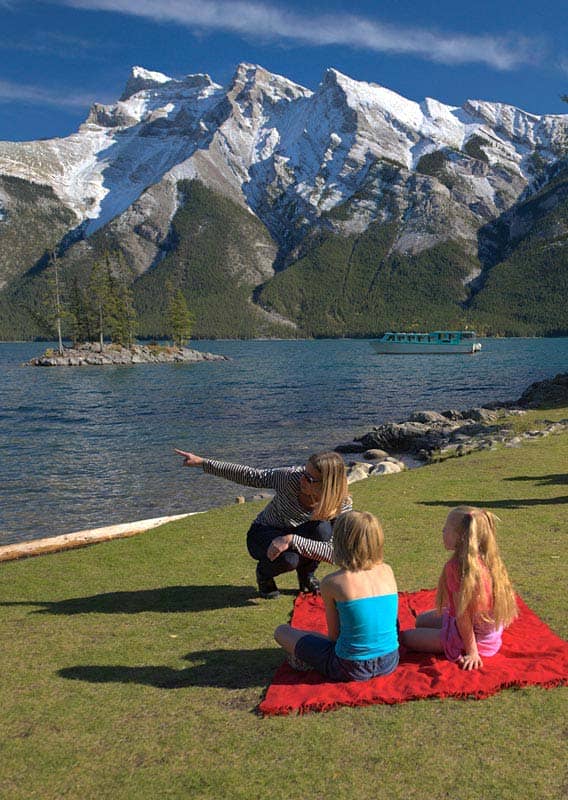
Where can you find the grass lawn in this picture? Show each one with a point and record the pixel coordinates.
(132, 669)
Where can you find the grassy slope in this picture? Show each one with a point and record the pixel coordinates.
(131, 669)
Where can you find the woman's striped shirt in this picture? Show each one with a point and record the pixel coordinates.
(312, 549)
(284, 511)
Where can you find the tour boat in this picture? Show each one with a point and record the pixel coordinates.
(437, 342)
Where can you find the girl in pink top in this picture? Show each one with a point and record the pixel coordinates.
(475, 599)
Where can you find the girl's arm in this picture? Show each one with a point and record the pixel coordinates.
(471, 659)
(331, 615)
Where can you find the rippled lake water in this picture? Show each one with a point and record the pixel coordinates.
(90, 446)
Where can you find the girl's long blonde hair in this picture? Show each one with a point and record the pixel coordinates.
(475, 531)
(334, 490)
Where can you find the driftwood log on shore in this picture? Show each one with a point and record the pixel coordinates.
(69, 541)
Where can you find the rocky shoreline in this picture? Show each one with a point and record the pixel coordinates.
(89, 354)
(430, 436)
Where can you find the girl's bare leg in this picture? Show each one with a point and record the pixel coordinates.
(425, 640)
(429, 619)
(287, 637)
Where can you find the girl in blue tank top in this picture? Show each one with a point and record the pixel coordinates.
(361, 605)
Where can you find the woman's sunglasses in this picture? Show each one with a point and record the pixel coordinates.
(310, 478)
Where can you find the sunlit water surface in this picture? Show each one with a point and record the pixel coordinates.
(90, 446)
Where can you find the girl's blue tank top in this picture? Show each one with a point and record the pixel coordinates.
(367, 627)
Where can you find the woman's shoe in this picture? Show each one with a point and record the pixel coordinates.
(267, 589)
(309, 584)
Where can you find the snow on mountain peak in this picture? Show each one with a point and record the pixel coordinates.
(264, 135)
(141, 78)
(276, 87)
(149, 75)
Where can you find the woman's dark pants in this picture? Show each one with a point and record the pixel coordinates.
(260, 536)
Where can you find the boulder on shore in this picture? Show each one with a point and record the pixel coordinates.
(546, 393)
(431, 436)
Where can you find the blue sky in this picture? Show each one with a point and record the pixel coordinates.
(58, 57)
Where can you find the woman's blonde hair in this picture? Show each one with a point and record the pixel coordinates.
(475, 530)
(358, 541)
(333, 484)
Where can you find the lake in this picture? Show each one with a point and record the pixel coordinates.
(91, 446)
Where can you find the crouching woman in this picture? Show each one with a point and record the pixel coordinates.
(361, 606)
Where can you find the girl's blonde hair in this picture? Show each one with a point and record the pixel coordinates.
(475, 531)
(333, 484)
(358, 541)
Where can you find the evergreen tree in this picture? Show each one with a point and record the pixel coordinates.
(180, 319)
(100, 292)
(52, 311)
(123, 314)
(80, 315)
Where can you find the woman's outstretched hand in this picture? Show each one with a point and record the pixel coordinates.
(189, 459)
(278, 546)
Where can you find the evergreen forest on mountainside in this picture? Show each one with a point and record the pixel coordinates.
(350, 285)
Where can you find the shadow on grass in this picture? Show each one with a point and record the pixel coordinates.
(224, 669)
(543, 480)
(536, 501)
(169, 599)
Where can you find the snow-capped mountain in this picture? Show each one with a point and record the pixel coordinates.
(340, 159)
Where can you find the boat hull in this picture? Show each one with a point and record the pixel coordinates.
(429, 348)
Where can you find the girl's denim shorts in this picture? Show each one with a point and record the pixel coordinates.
(320, 654)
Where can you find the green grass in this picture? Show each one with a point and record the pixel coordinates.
(132, 669)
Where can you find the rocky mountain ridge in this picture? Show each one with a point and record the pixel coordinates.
(345, 159)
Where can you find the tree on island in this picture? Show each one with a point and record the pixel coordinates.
(80, 314)
(124, 319)
(179, 318)
(100, 295)
(112, 301)
(52, 307)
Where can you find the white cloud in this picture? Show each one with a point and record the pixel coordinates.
(261, 20)
(35, 95)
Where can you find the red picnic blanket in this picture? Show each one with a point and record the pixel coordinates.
(531, 655)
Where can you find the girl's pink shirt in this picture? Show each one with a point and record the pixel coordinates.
(453, 580)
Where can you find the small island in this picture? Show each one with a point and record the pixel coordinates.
(104, 310)
(90, 354)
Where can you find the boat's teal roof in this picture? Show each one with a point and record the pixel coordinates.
(429, 333)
